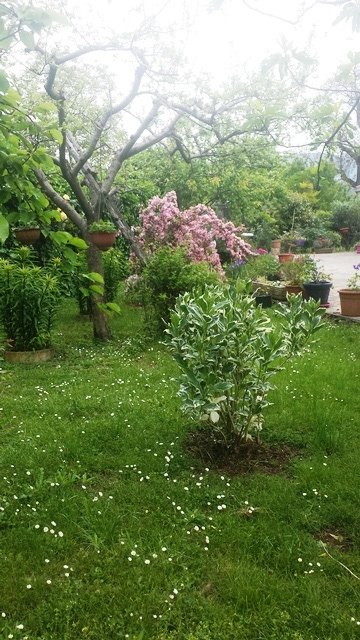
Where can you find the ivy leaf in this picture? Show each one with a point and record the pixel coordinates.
(96, 277)
(56, 135)
(4, 229)
(78, 242)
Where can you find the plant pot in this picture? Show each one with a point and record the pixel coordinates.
(293, 289)
(318, 291)
(350, 302)
(27, 236)
(261, 288)
(324, 250)
(28, 357)
(300, 242)
(285, 257)
(103, 240)
(278, 292)
(276, 244)
(264, 301)
(344, 230)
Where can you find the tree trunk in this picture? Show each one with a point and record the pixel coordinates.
(100, 323)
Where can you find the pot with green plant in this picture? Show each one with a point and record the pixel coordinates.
(350, 297)
(294, 274)
(262, 270)
(317, 283)
(103, 234)
(29, 296)
(27, 232)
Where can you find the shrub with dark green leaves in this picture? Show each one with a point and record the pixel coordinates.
(228, 350)
(116, 268)
(169, 273)
(260, 266)
(29, 296)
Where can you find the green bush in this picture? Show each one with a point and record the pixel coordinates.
(261, 266)
(347, 214)
(28, 299)
(168, 274)
(116, 268)
(228, 350)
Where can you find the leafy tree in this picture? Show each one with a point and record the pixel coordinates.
(92, 161)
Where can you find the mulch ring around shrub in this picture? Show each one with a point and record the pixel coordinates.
(242, 457)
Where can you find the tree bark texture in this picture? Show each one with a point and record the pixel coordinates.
(101, 327)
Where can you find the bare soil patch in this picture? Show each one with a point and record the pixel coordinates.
(335, 538)
(241, 458)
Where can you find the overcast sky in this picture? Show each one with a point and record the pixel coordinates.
(225, 40)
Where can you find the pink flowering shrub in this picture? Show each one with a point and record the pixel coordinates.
(198, 229)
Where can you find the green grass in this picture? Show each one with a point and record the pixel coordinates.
(100, 498)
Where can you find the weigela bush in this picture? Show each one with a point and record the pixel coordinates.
(198, 230)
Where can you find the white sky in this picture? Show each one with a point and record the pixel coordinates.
(233, 38)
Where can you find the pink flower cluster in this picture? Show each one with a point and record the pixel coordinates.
(198, 229)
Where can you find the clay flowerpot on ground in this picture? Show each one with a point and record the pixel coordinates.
(317, 284)
(28, 299)
(103, 234)
(350, 297)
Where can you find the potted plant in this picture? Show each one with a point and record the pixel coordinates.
(317, 283)
(350, 297)
(294, 274)
(28, 299)
(103, 234)
(27, 232)
(285, 257)
(276, 246)
(261, 270)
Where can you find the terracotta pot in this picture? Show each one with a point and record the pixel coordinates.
(103, 240)
(286, 257)
(27, 236)
(293, 289)
(350, 302)
(344, 230)
(275, 244)
(28, 357)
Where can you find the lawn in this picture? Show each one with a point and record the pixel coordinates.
(111, 528)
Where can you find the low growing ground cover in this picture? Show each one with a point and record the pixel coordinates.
(112, 527)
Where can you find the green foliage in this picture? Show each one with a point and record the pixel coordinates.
(347, 214)
(29, 296)
(314, 271)
(228, 350)
(295, 272)
(105, 226)
(22, 203)
(168, 274)
(261, 266)
(116, 268)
